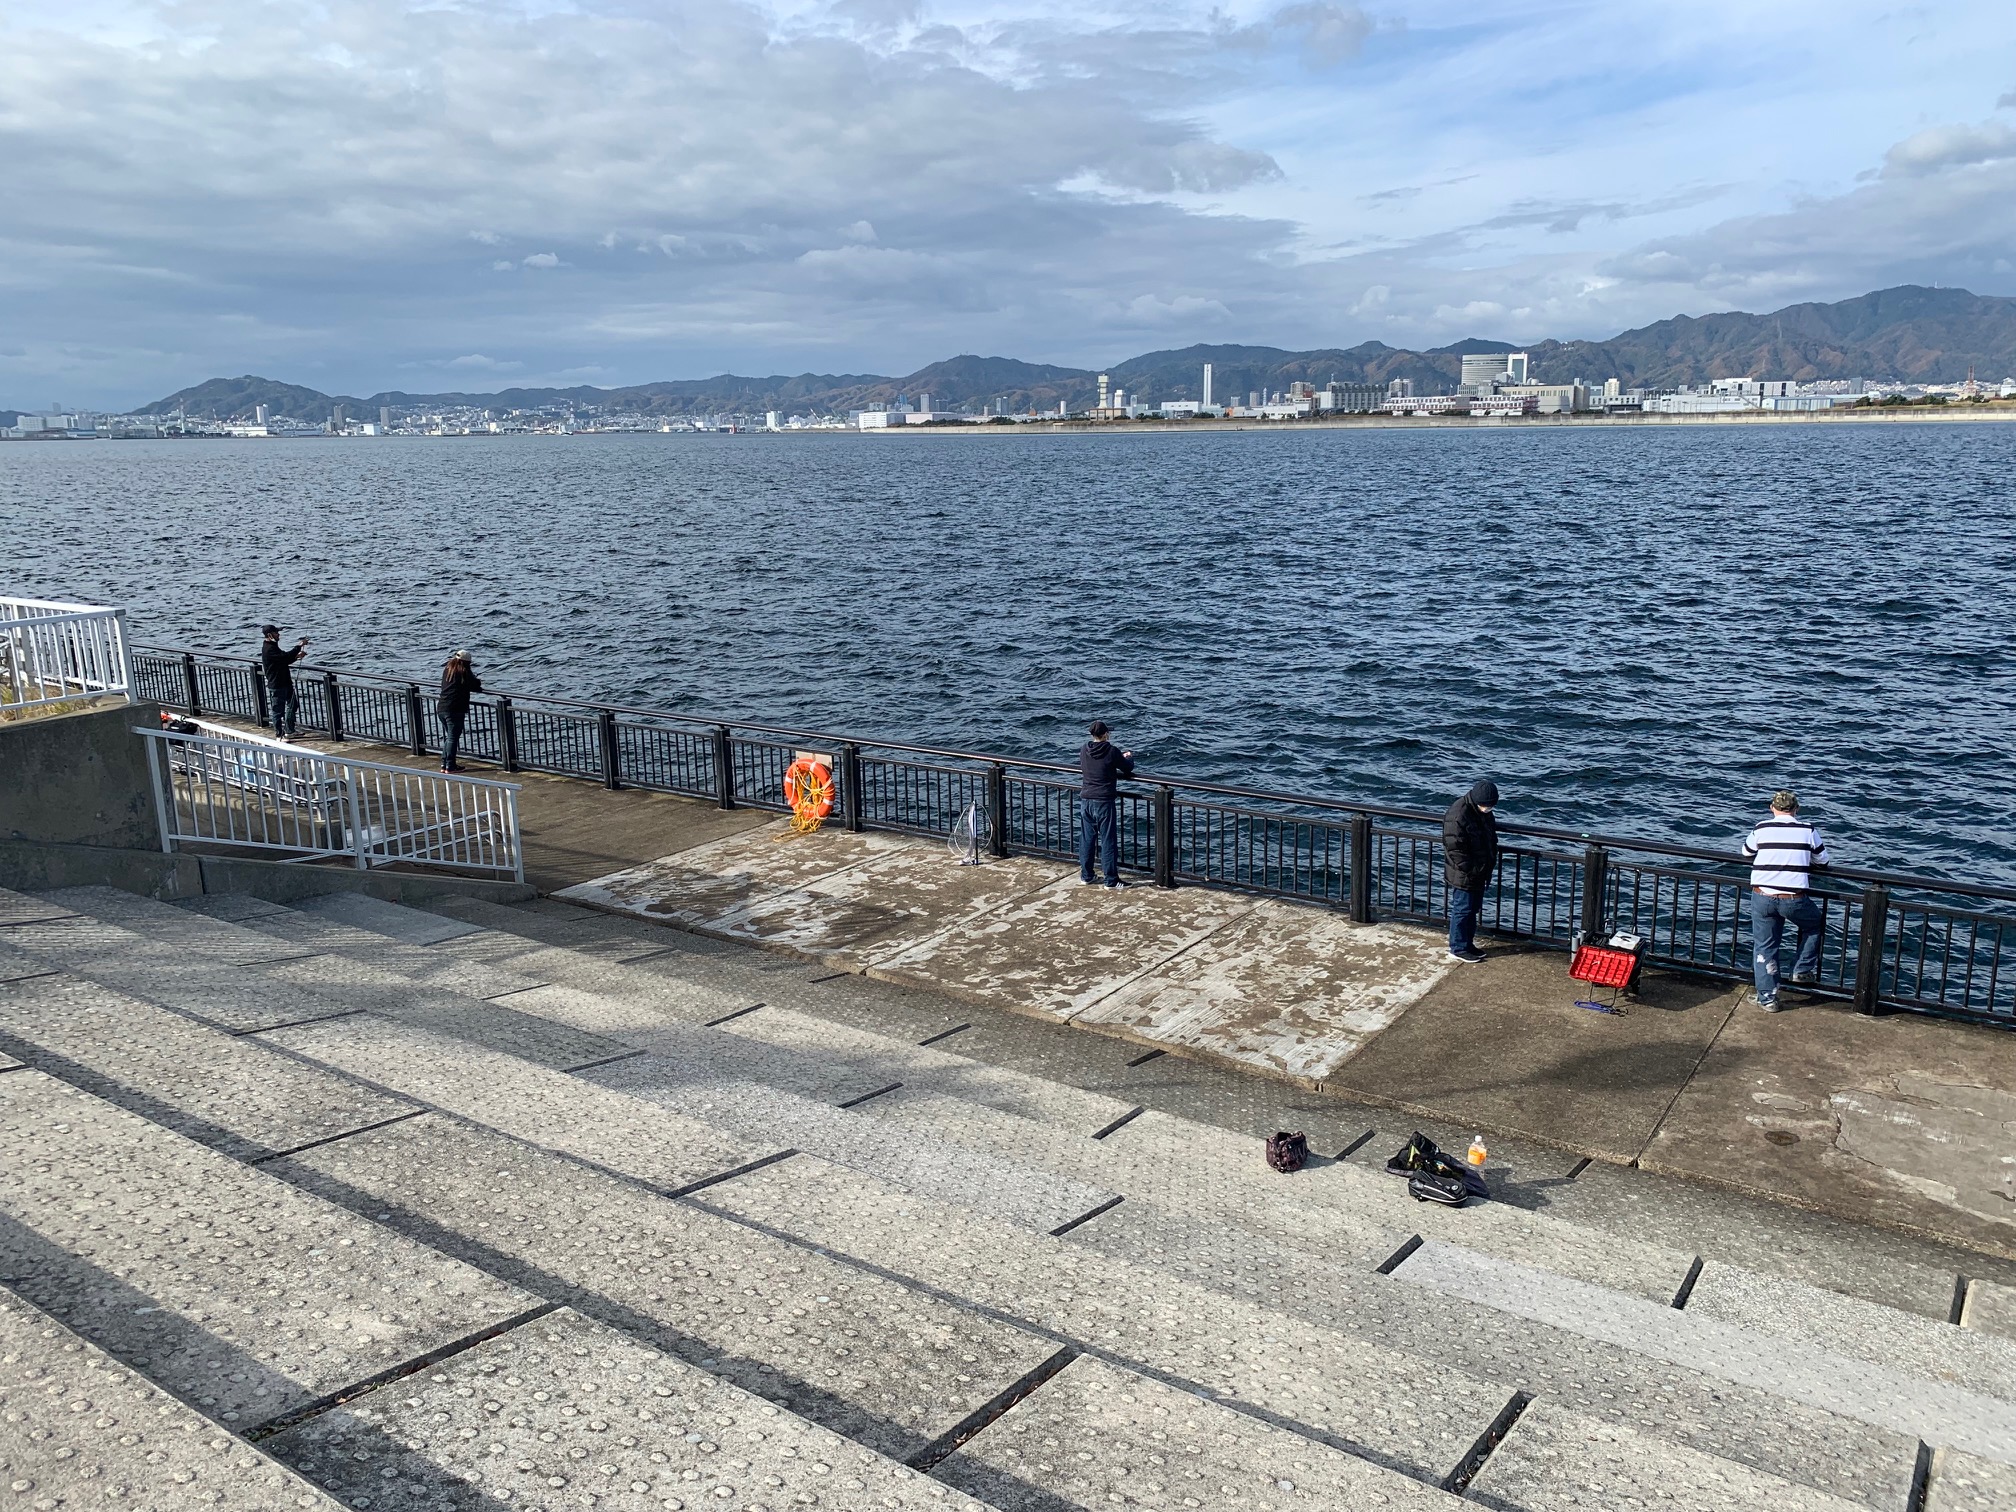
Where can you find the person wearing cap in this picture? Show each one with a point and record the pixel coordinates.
(458, 681)
(278, 668)
(1100, 767)
(1469, 858)
(1782, 852)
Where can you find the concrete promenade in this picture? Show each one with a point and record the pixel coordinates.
(1283, 1015)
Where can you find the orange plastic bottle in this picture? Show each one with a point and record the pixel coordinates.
(1477, 1151)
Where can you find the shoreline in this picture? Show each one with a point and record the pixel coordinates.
(1932, 415)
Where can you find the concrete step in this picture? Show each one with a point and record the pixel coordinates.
(223, 943)
(1097, 1436)
(1962, 1482)
(535, 1103)
(222, 1090)
(889, 1366)
(682, 1077)
(27, 908)
(317, 935)
(241, 1294)
(243, 999)
(18, 965)
(80, 1429)
(409, 926)
(1555, 1460)
(578, 928)
(924, 1069)
(1989, 1308)
(1884, 1396)
(562, 1412)
(1599, 1379)
(1382, 1404)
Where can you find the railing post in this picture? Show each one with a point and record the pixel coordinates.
(1869, 952)
(1165, 836)
(997, 809)
(124, 649)
(416, 727)
(334, 691)
(851, 798)
(612, 753)
(358, 841)
(1595, 877)
(191, 696)
(262, 713)
(507, 735)
(724, 768)
(1361, 868)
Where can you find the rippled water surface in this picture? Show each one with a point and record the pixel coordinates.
(1641, 632)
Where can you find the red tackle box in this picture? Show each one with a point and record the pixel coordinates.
(1604, 966)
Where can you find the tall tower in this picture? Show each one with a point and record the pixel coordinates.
(1207, 384)
(1102, 391)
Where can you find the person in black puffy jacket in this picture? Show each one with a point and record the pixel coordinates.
(1100, 767)
(1469, 858)
(458, 681)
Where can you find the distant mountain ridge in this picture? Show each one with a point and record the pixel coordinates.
(1911, 332)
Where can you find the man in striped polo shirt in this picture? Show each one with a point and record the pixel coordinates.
(1782, 852)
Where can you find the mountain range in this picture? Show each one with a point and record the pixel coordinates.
(1910, 333)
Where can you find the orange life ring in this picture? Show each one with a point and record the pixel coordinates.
(808, 787)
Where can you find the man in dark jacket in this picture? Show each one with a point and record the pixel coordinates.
(278, 667)
(1100, 767)
(1469, 857)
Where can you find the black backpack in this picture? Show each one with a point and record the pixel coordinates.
(1433, 1186)
(1287, 1152)
(1421, 1156)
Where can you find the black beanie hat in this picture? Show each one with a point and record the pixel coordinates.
(1484, 793)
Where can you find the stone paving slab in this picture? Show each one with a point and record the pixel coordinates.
(1096, 1436)
(16, 965)
(1062, 949)
(884, 904)
(78, 1429)
(1410, 1416)
(891, 1367)
(1556, 1461)
(1900, 1119)
(1294, 990)
(27, 908)
(8, 1063)
(222, 1090)
(1877, 1265)
(1930, 1349)
(1674, 1405)
(983, 1179)
(1502, 1045)
(922, 1068)
(532, 1102)
(242, 1295)
(232, 908)
(694, 1056)
(1635, 1269)
(1967, 1483)
(223, 943)
(549, 921)
(358, 987)
(409, 926)
(1882, 1396)
(315, 934)
(1990, 1308)
(564, 1413)
(700, 886)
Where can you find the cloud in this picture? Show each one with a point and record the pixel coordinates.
(1943, 147)
(542, 260)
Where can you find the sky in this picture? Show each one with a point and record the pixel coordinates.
(410, 194)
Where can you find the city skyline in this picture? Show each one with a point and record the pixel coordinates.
(588, 193)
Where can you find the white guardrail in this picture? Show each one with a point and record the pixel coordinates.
(243, 792)
(51, 652)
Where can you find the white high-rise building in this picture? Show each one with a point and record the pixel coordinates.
(1207, 385)
(1482, 371)
(1515, 367)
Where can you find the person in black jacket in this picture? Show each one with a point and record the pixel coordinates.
(458, 681)
(1100, 766)
(278, 668)
(1469, 857)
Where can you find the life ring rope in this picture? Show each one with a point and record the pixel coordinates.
(808, 788)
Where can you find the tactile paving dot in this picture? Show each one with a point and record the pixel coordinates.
(563, 1413)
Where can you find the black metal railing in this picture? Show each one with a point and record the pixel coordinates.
(1889, 942)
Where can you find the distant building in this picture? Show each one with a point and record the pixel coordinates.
(773, 420)
(1430, 404)
(1400, 388)
(1350, 398)
(1508, 403)
(1515, 367)
(385, 417)
(1482, 372)
(1207, 385)
(258, 414)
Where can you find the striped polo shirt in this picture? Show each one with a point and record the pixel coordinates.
(1781, 851)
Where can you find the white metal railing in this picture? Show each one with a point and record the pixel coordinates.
(264, 795)
(50, 652)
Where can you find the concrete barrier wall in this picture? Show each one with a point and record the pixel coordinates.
(31, 866)
(79, 779)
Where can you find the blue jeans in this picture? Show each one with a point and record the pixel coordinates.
(451, 745)
(286, 711)
(1465, 904)
(1768, 918)
(1097, 826)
